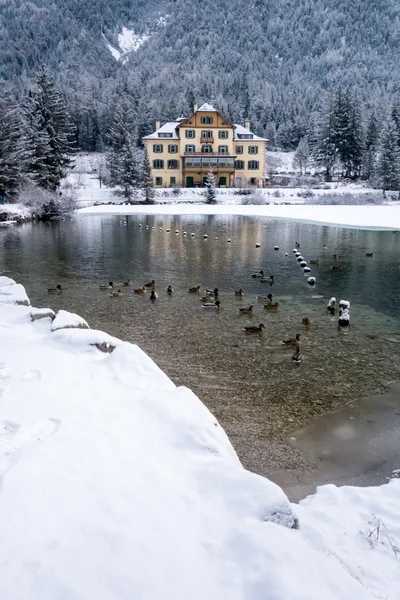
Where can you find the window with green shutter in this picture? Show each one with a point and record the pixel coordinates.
(158, 148)
(172, 148)
(158, 164)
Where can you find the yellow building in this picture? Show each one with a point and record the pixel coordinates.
(182, 152)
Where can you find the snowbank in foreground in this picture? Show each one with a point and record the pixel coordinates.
(116, 484)
(365, 217)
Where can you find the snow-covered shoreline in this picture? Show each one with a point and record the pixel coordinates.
(117, 484)
(364, 217)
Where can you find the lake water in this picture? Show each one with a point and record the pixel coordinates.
(249, 382)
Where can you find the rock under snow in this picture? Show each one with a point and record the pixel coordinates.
(13, 293)
(68, 320)
(42, 313)
(81, 338)
(6, 281)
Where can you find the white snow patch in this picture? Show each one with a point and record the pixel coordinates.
(13, 293)
(129, 41)
(116, 53)
(42, 313)
(66, 320)
(364, 217)
(6, 281)
(85, 338)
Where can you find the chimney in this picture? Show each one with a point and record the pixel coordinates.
(247, 124)
(195, 107)
(158, 125)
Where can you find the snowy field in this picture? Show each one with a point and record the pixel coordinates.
(364, 217)
(116, 484)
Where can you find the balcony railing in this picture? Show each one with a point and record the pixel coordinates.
(207, 140)
(203, 154)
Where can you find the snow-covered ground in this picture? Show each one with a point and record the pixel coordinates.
(364, 217)
(117, 484)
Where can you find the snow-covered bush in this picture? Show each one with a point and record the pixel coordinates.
(45, 204)
(347, 199)
(255, 198)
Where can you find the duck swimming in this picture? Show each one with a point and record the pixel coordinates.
(306, 321)
(292, 341)
(246, 311)
(215, 304)
(153, 295)
(127, 282)
(140, 290)
(169, 289)
(239, 292)
(56, 290)
(109, 286)
(152, 283)
(116, 294)
(194, 290)
(273, 306)
(254, 328)
(297, 357)
(258, 274)
(267, 297)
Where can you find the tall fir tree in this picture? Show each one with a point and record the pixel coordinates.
(323, 149)
(210, 191)
(347, 133)
(388, 168)
(13, 151)
(395, 114)
(301, 157)
(121, 158)
(147, 179)
(51, 132)
(371, 147)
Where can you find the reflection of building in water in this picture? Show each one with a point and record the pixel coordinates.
(182, 152)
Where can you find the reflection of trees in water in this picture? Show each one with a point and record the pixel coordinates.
(12, 239)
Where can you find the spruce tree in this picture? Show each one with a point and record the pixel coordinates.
(13, 153)
(210, 192)
(302, 156)
(121, 158)
(395, 114)
(388, 168)
(323, 150)
(51, 133)
(147, 179)
(346, 131)
(371, 147)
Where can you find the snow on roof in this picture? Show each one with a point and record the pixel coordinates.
(240, 130)
(167, 128)
(206, 108)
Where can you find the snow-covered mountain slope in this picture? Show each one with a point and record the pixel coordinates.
(129, 41)
(117, 484)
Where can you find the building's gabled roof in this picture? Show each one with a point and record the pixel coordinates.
(167, 128)
(206, 108)
(240, 130)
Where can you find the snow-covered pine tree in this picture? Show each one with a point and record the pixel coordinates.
(388, 168)
(395, 113)
(371, 147)
(347, 132)
(121, 158)
(51, 132)
(301, 157)
(147, 179)
(210, 193)
(323, 150)
(12, 148)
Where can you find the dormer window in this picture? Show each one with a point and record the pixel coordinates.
(245, 136)
(206, 120)
(165, 135)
